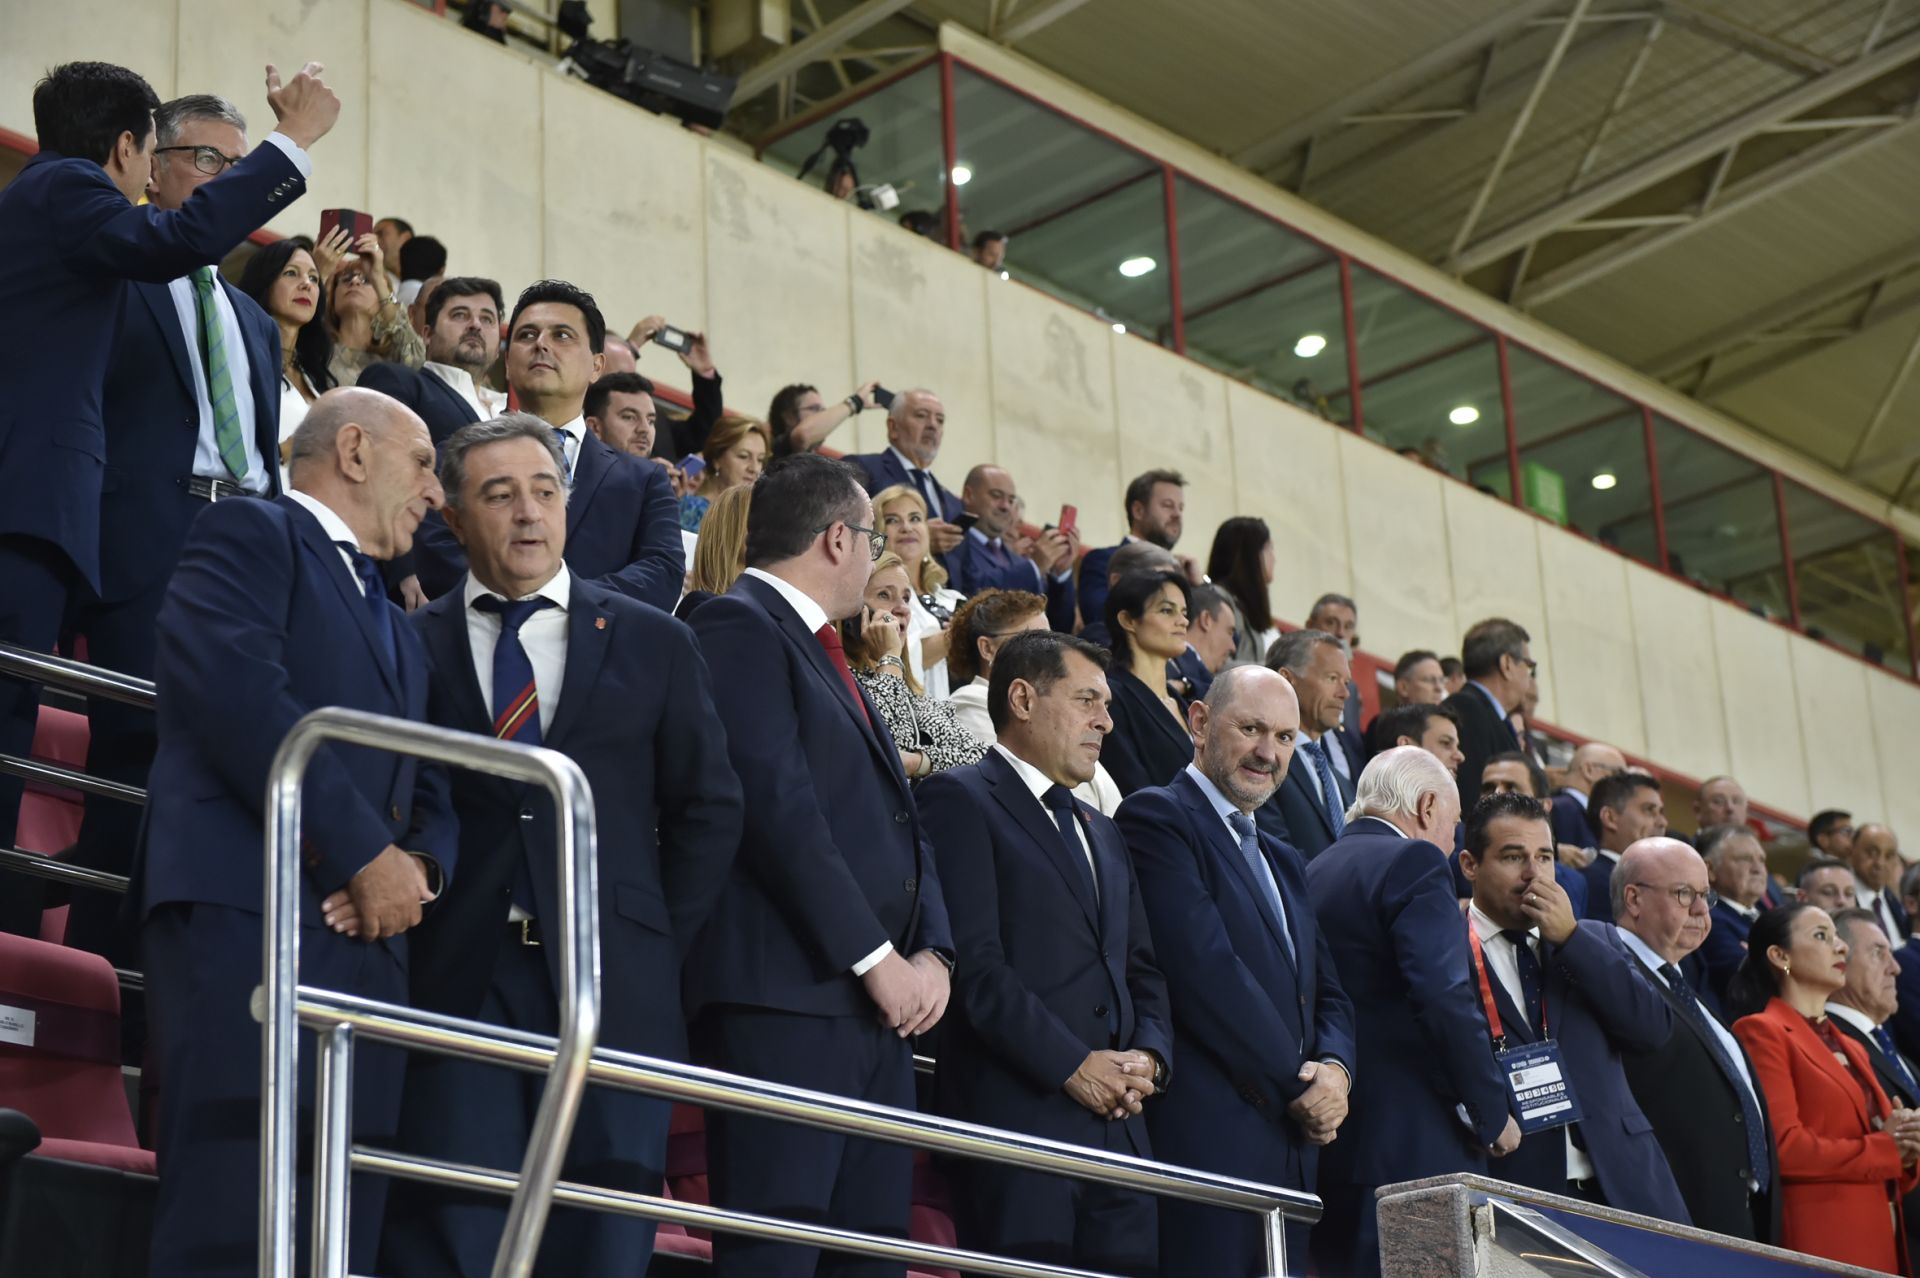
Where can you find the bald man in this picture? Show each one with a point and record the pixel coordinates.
(1590, 762)
(278, 608)
(1877, 863)
(1698, 1090)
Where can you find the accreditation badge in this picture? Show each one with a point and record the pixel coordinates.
(1542, 1094)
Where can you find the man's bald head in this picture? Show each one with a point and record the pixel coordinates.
(1138, 556)
(319, 431)
(1244, 733)
(1236, 681)
(1590, 762)
(1647, 887)
(368, 458)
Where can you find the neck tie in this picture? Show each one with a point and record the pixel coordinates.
(213, 347)
(516, 699)
(565, 440)
(1256, 860)
(829, 638)
(929, 490)
(1529, 965)
(1329, 789)
(1749, 1108)
(373, 595)
(1901, 1073)
(1059, 802)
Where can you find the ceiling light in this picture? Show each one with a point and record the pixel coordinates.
(1119, 328)
(1465, 415)
(1604, 480)
(1309, 346)
(962, 175)
(1135, 267)
(1005, 276)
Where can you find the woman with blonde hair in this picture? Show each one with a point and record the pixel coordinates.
(720, 556)
(736, 452)
(901, 513)
(925, 731)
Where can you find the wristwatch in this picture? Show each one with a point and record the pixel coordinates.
(1160, 1074)
(855, 403)
(891, 660)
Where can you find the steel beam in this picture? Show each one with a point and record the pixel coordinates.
(1620, 95)
(1044, 16)
(828, 39)
(1895, 384)
(1722, 30)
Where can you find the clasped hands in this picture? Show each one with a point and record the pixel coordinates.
(1112, 1084)
(1323, 1106)
(909, 995)
(1904, 1126)
(384, 899)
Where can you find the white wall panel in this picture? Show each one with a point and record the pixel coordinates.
(41, 34)
(1679, 674)
(1590, 641)
(1836, 730)
(1402, 582)
(1287, 471)
(1494, 562)
(1172, 414)
(1895, 710)
(1765, 742)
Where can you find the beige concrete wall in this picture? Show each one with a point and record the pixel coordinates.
(525, 174)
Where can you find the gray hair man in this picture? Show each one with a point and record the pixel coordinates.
(916, 425)
(1309, 810)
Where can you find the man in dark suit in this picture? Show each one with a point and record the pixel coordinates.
(916, 423)
(1339, 616)
(1060, 1027)
(1861, 1009)
(623, 524)
(829, 948)
(1156, 505)
(1551, 976)
(71, 237)
(1737, 871)
(1308, 811)
(982, 559)
(1623, 809)
(1266, 1036)
(463, 340)
(1906, 1020)
(1428, 1099)
(1499, 668)
(1591, 761)
(1876, 861)
(164, 463)
(1699, 1090)
(277, 609)
(526, 653)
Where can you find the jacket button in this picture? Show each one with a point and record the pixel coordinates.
(526, 816)
(396, 812)
(911, 885)
(1099, 1009)
(900, 818)
(1104, 954)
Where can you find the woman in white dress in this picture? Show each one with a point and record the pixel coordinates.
(285, 280)
(901, 513)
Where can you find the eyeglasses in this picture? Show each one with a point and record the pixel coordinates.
(1685, 896)
(876, 541)
(210, 160)
(347, 279)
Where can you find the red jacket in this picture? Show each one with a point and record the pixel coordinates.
(1841, 1180)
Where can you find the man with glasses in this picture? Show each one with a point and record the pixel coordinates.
(1697, 1089)
(1499, 671)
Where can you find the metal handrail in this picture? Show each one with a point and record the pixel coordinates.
(75, 676)
(70, 778)
(47, 867)
(578, 938)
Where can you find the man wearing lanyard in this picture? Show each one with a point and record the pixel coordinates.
(1566, 992)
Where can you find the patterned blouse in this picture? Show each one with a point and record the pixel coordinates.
(394, 342)
(920, 725)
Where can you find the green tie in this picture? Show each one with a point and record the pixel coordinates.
(226, 416)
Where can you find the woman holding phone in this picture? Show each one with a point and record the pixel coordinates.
(735, 454)
(926, 732)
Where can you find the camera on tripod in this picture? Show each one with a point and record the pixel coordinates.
(843, 139)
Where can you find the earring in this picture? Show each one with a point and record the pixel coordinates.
(1786, 968)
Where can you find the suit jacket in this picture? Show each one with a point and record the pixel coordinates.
(1598, 1006)
(1695, 1111)
(833, 860)
(974, 566)
(1839, 1173)
(1598, 874)
(1725, 947)
(1247, 1014)
(69, 243)
(263, 622)
(635, 711)
(1905, 1025)
(1147, 746)
(444, 409)
(884, 470)
(1387, 907)
(1900, 919)
(1295, 814)
(1901, 1093)
(1484, 732)
(152, 423)
(1092, 580)
(1046, 968)
(1568, 819)
(623, 531)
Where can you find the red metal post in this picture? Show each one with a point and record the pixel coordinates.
(1173, 260)
(1506, 410)
(950, 147)
(1353, 342)
(1786, 547)
(1906, 601)
(1653, 485)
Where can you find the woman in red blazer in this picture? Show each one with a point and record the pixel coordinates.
(1846, 1154)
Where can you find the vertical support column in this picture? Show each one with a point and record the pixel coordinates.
(1276, 1230)
(950, 151)
(1906, 601)
(1653, 487)
(332, 1151)
(1786, 548)
(1506, 411)
(1353, 342)
(1179, 329)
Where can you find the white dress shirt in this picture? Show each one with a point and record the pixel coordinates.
(336, 530)
(206, 450)
(483, 400)
(1852, 1016)
(969, 704)
(1039, 783)
(1728, 1042)
(922, 625)
(543, 635)
(574, 434)
(1871, 899)
(1579, 796)
(293, 411)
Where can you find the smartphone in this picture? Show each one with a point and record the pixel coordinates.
(674, 339)
(353, 222)
(691, 465)
(883, 397)
(1069, 519)
(851, 628)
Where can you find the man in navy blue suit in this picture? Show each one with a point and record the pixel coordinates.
(1591, 761)
(1263, 1030)
(71, 237)
(1308, 811)
(463, 340)
(1156, 505)
(1906, 1021)
(525, 652)
(1553, 977)
(983, 561)
(1622, 809)
(1876, 861)
(1499, 666)
(623, 524)
(916, 423)
(1060, 1027)
(277, 609)
(1429, 1099)
(830, 947)
(1737, 869)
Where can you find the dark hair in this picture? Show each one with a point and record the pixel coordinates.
(1489, 808)
(1130, 595)
(1140, 489)
(1450, 666)
(987, 237)
(1204, 600)
(1408, 660)
(783, 415)
(461, 286)
(1487, 642)
(562, 293)
(313, 344)
(1816, 864)
(1612, 793)
(595, 404)
(422, 258)
(1409, 720)
(1754, 983)
(985, 615)
(405, 227)
(1040, 658)
(1234, 562)
(80, 109)
(795, 500)
(1825, 822)
(1536, 777)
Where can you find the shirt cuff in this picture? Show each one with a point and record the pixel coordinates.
(872, 960)
(301, 160)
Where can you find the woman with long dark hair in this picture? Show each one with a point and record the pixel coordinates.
(1847, 1155)
(284, 279)
(1241, 563)
(1147, 620)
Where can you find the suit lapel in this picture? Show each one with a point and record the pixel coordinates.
(159, 300)
(589, 470)
(350, 596)
(451, 651)
(589, 632)
(451, 396)
(1306, 792)
(1810, 1044)
(1220, 839)
(1012, 794)
(1511, 1021)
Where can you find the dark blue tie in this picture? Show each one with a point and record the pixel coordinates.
(1329, 788)
(1529, 966)
(373, 596)
(1059, 802)
(1749, 1108)
(1901, 1073)
(1249, 838)
(929, 489)
(516, 698)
